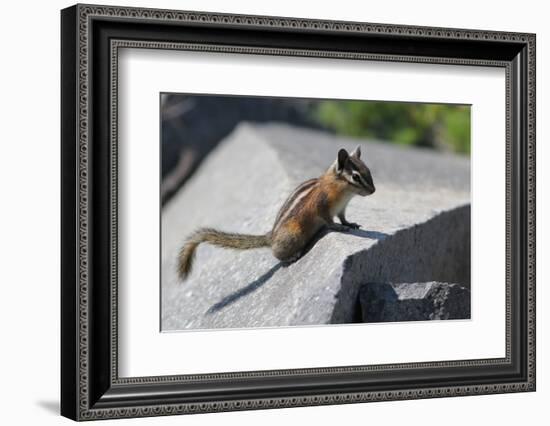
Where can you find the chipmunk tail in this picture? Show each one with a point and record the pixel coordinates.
(217, 238)
(186, 257)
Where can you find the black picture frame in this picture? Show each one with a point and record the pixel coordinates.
(90, 386)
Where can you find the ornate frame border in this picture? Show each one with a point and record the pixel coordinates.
(84, 14)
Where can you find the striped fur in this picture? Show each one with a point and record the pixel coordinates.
(217, 238)
(294, 200)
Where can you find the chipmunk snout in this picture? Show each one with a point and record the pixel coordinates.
(366, 190)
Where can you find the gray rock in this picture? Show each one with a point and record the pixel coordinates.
(385, 302)
(415, 228)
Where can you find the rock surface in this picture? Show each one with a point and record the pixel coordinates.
(385, 302)
(415, 228)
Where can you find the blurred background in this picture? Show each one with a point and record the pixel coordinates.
(192, 125)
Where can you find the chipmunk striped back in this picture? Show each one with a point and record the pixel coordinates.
(294, 200)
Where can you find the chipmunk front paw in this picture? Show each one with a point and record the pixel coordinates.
(352, 225)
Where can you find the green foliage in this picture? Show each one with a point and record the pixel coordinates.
(445, 127)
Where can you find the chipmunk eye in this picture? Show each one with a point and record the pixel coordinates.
(355, 177)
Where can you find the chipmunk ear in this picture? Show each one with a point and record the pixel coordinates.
(341, 160)
(356, 152)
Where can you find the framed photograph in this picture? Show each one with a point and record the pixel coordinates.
(263, 212)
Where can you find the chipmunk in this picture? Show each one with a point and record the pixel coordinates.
(311, 206)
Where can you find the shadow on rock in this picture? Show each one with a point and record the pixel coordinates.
(253, 286)
(371, 235)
